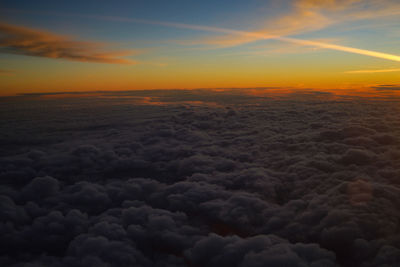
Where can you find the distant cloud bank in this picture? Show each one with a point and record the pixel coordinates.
(388, 87)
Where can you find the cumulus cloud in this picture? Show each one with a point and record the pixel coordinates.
(260, 250)
(32, 42)
(230, 180)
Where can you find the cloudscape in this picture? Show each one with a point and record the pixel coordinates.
(200, 133)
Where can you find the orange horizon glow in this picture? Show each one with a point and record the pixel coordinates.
(376, 91)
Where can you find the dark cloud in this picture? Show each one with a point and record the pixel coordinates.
(290, 182)
(387, 87)
(260, 250)
(26, 41)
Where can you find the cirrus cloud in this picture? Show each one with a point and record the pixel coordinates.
(307, 16)
(32, 42)
(372, 71)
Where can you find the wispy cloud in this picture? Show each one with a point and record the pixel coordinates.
(256, 35)
(303, 19)
(308, 16)
(342, 48)
(372, 71)
(276, 48)
(33, 42)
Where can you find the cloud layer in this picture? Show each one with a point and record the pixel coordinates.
(208, 180)
(32, 42)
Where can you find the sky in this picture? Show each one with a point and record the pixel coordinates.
(63, 46)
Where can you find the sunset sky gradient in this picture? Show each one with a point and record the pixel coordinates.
(57, 46)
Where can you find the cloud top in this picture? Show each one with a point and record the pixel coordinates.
(290, 182)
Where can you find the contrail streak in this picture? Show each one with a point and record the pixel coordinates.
(373, 71)
(257, 35)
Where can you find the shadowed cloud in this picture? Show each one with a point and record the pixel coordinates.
(33, 42)
(253, 181)
(390, 87)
